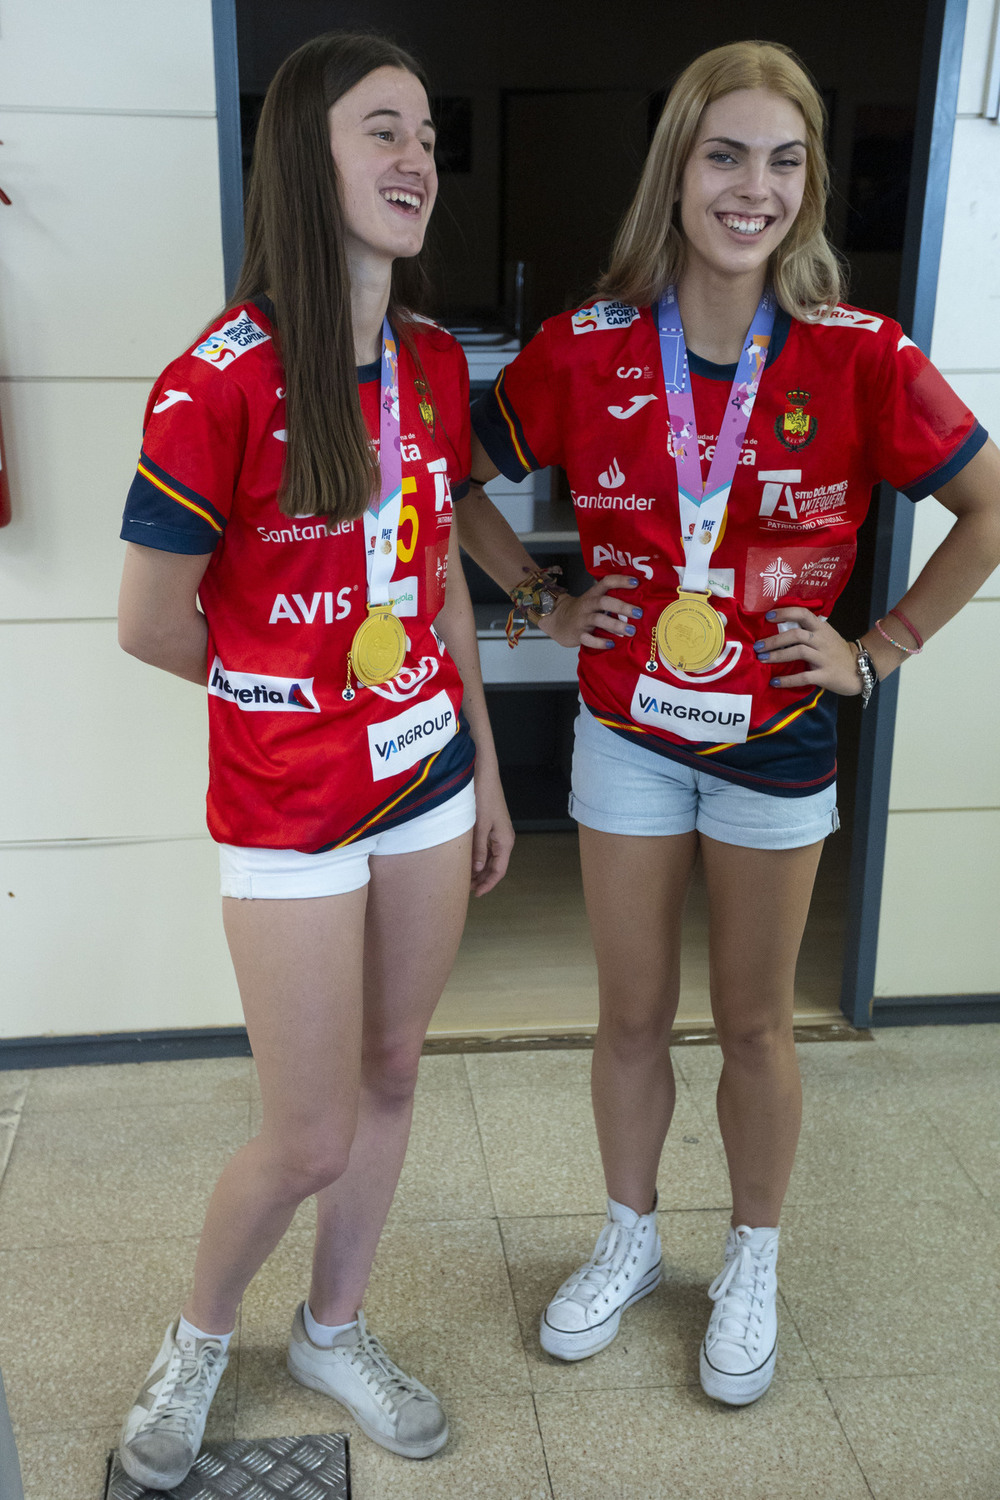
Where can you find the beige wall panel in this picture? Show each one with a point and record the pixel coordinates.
(948, 721)
(106, 55)
(111, 257)
(967, 318)
(975, 56)
(103, 746)
(939, 933)
(119, 938)
(71, 454)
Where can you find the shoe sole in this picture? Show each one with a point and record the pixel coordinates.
(570, 1346)
(405, 1450)
(736, 1390)
(149, 1478)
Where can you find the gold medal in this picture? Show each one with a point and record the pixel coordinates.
(690, 634)
(379, 646)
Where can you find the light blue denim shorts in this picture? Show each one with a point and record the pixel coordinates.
(622, 787)
(290, 875)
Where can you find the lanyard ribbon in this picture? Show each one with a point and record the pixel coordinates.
(702, 503)
(381, 519)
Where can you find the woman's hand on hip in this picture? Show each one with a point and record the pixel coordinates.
(576, 617)
(830, 661)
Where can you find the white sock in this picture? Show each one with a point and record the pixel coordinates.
(187, 1332)
(323, 1334)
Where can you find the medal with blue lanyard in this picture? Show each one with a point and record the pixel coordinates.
(379, 645)
(690, 634)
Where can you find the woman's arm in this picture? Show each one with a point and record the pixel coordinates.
(158, 616)
(491, 541)
(949, 578)
(494, 834)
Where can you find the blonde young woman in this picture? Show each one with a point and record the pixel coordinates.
(291, 547)
(722, 418)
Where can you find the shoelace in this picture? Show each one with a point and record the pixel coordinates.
(739, 1291)
(387, 1381)
(608, 1257)
(189, 1390)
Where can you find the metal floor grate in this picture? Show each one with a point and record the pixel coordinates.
(293, 1468)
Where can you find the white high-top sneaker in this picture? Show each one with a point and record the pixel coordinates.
(584, 1314)
(163, 1431)
(737, 1356)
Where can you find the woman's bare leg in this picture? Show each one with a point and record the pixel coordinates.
(416, 911)
(758, 902)
(299, 968)
(635, 889)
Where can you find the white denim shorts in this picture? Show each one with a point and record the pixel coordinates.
(289, 875)
(622, 787)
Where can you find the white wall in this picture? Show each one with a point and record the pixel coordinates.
(939, 933)
(110, 261)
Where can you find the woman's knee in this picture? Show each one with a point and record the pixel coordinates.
(755, 1042)
(635, 1032)
(389, 1069)
(309, 1160)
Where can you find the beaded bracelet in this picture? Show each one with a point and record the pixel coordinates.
(907, 650)
(911, 628)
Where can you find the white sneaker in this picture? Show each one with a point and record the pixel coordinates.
(584, 1314)
(392, 1408)
(163, 1431)
(737, 1356)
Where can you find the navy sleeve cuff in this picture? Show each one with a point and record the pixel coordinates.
(165, 538)
(925, 486)
(499, 430)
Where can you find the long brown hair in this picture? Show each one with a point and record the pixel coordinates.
(295, 255)
(650, 248)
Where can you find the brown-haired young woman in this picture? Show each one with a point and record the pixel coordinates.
(346, 793)
(721, 421)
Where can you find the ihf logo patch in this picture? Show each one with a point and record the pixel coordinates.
(255, 695)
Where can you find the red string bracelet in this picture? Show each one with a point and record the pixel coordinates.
(911, 628)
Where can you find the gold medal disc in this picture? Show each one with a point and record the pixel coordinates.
(379, 646)
(690, 633)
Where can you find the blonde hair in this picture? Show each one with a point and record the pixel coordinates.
(650, 248)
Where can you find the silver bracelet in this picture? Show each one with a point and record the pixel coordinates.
(867, 673)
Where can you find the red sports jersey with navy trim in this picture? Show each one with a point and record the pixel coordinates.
(292, 764)
(843, 403)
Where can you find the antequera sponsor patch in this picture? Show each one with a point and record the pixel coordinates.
(397, 744)
(230, 341)
(260, 695)
(713, 718)
(849, 317)
(604, 314)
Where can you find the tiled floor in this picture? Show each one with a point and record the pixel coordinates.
(887, 1383)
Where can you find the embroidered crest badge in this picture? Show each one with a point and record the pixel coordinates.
(793, 428)
(426, 406)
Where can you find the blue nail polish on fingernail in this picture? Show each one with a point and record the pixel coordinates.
(636, 612)
(634, 583)
(763, 655)
(630, 630)
(775, 682)
(771, 615)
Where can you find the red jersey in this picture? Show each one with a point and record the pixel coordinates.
(843, 403)
(293, 764)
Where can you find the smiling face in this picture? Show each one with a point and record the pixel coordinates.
(743, 183)
(382, 142)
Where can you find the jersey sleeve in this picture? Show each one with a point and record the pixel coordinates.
(518, 420)
(193, 440)
(924, 432)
